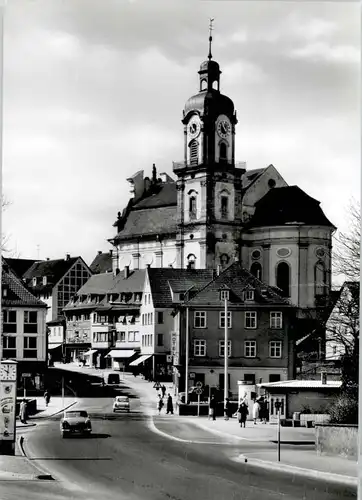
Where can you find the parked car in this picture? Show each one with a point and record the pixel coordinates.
(121, 403)
(75, 422)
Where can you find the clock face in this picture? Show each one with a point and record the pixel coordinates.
(193, 128)
(223, 128)
(7, 371)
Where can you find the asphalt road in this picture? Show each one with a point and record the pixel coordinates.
(125, 459)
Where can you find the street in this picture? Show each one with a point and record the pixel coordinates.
(124, 458)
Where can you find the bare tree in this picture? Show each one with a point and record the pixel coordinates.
(346, 255)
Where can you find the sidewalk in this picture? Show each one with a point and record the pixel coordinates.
(295, 460)
(56, 405)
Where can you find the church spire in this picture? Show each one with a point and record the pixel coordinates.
(210, 38)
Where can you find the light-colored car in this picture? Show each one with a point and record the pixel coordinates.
(75, 422)
(121, 403)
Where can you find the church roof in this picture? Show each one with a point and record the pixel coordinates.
(102, 263)
(237, 279)
(165, 195)
(288, 205)
(149, 221)
(209, 103)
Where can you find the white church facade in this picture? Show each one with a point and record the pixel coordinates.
(214, 211)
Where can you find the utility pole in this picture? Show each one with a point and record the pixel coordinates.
(226, 352)
(187, 357)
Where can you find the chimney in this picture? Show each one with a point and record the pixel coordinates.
(67, 257)
(126, 272)
(111, 252)
(99, 252)
(48, 258)
(154, 174)
(323, 378)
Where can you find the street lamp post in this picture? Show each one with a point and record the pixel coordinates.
(187, 357)
(224, 295)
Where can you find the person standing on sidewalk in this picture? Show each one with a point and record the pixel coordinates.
(47, 398)
(23, 411)
(163, 389)
(256, 410)
(169, 406)
(212, 408)
(159, 404)
(242, 413)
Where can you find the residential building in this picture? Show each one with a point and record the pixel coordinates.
(163, 289)
(55, 282)
(23, 330)
(103, 320)
(260, 337)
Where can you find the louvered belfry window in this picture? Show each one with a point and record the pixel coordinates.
(194, 153)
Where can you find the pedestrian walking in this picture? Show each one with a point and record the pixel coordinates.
(263, 410)
(212, 408)
(23, 411)
(256, 410)
(169, 406)
(47, 398)
(160, 404)
(163, 389)
(243, 412)
(226, 409)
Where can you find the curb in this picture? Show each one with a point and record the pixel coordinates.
(298, 471)
(42, 475)
(25, 426)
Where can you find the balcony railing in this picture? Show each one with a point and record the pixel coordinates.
(178, 165)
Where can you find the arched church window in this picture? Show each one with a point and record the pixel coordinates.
(224, 201)
(255, 270)
(194, 153)
(223, 152)
(224, 260)
(203, 84)
(320, 278)
(192, 207)
(283, 278)
(191, 261)
(215, 85)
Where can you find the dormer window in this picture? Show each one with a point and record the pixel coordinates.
(34, 281)
(5, 291)
(44, 280)
(249, 295)
(138, 297)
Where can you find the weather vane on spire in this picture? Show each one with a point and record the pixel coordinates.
(210, 37)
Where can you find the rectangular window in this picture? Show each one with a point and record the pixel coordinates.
(276, 320)
(120, 336)
(250, 319)
(200, 319)
(199, 347)
(160, 317)
(130, 336)
(275, 349)
(9, 321)
(160, 339)
(9, 347)
(274, 377)
(30, 347)
(30, 322)
(250, 348)
(249, 295)
(222, 319)
(222, 348)
(224, 294)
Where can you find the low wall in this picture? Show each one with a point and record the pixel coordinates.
(337, 440)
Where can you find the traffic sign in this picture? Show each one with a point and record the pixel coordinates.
(156, 385)
(198, 391)
(199, 385)
(26, 375)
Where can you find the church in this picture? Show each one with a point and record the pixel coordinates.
(213, 211)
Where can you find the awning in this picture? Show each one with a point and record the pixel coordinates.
(141, 359)
(120, 353)
(53, 346)
(90, 352)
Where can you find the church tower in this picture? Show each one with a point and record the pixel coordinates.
(208, 184)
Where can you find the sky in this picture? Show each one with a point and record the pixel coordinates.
(94, 91)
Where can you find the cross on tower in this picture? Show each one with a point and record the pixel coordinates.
(210, 37)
